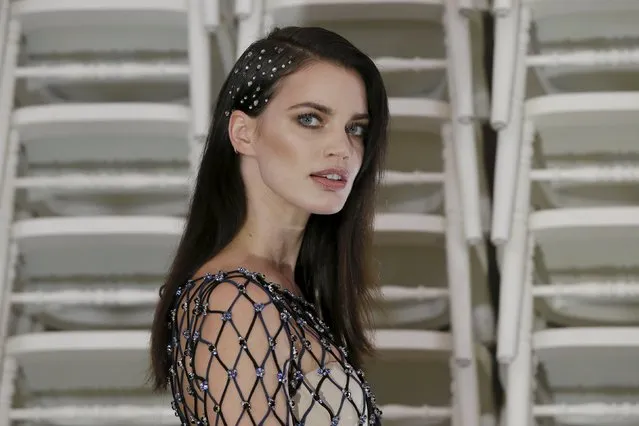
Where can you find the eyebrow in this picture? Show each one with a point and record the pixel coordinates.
(326, 110)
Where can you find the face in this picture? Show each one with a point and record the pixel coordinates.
(309, 140)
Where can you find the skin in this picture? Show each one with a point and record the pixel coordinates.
(315, 121)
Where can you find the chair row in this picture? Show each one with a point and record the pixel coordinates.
(104, 108)
(565, 104)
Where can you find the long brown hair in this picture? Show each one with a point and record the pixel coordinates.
(334, 268)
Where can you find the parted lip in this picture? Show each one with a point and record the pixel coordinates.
(342, 173)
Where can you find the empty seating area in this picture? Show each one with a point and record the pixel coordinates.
(506, 223)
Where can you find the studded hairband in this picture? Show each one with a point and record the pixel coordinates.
(253, 98)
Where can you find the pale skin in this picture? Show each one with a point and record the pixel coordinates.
(315, 121)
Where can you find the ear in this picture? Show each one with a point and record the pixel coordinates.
(242, 132)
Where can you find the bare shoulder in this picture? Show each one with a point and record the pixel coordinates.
(226, 286)
(229, 325)
(228, 274)
(235, 295)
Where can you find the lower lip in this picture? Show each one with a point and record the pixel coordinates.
(333, 185)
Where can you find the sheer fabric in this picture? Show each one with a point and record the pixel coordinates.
(246, 352)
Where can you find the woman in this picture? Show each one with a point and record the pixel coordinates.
(286, 190)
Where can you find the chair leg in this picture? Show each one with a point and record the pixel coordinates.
(7, 388)
(514, 257)
(8, 248)
(457, 258)
(509, 142)
(7, 89)
(5, 11)
(520, 372)
(250, 27)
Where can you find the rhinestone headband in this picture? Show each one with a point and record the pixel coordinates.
(256, 67)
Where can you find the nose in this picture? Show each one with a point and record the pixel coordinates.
(339, 146)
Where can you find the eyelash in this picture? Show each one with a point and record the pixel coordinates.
(307, 115)
(349, 128)
(364, 129)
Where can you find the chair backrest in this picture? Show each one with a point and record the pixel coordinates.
(120, 143)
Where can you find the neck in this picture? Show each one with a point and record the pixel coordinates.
(267, 247)
(271, 237)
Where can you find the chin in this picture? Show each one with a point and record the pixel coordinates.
(327, 208)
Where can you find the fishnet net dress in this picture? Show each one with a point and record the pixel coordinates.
(246, 352)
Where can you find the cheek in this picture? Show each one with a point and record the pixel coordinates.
(279, 149)
(278, 157)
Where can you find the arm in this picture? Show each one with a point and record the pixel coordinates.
(239, 347)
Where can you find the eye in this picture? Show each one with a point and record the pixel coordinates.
(309, 120)
(357, 130)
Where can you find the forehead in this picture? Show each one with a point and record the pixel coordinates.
(325, 83)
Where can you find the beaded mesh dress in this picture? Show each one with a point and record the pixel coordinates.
(246, 352)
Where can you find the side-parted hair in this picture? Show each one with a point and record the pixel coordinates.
(335, 268)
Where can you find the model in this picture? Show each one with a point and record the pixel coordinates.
(265, 315)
